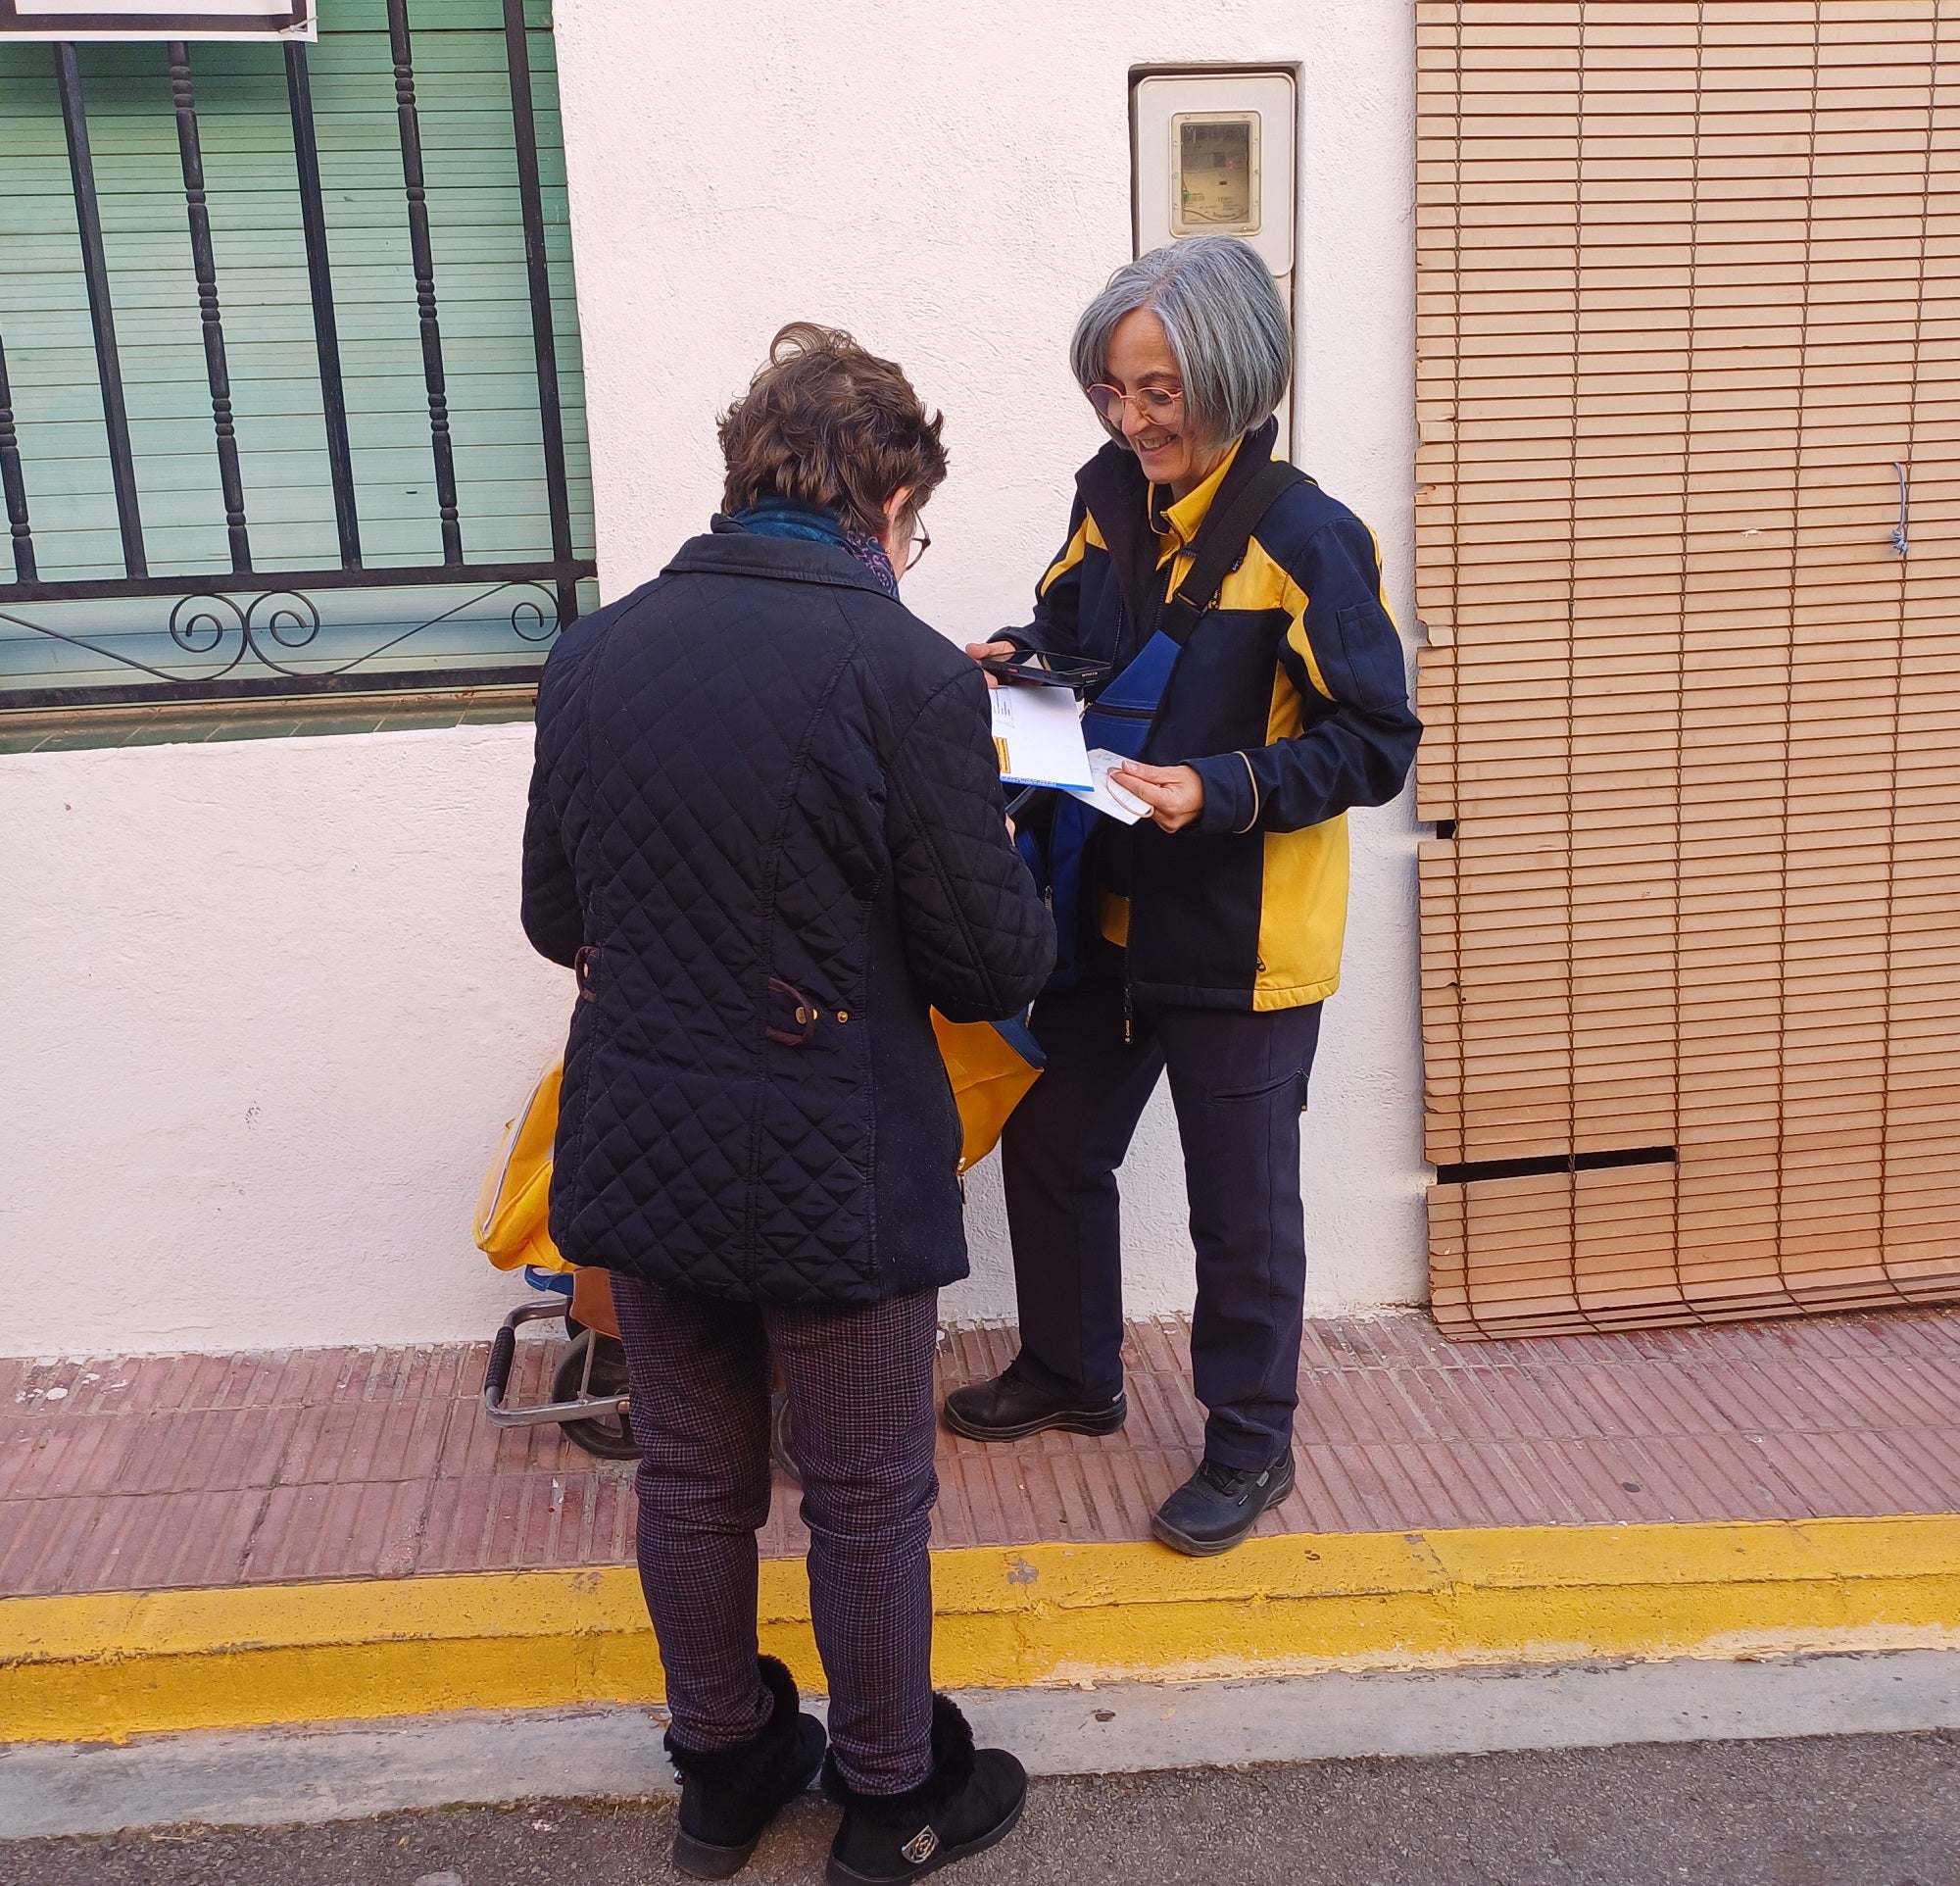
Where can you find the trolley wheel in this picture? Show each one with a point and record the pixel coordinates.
(610, 1436)
(782, 1435)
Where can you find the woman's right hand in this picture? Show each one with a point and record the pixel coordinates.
(985, 651)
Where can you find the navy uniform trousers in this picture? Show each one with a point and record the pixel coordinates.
(1237, 1081)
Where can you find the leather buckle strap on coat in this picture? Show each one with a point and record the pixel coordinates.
(805, 1013)
(584, 964)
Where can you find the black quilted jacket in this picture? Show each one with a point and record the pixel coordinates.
(766, 821)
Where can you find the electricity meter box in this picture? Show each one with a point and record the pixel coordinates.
(1212, 152)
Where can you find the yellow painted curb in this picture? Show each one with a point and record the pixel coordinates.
(109, 1666)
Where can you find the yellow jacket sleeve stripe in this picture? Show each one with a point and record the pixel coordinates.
(1087, 538)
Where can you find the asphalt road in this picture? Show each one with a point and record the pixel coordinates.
(1841, 1811)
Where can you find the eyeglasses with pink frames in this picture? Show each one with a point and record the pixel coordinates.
(1155, 405)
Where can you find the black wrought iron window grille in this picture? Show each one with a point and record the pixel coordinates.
(258, 628)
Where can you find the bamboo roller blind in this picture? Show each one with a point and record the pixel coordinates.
(1689, 287)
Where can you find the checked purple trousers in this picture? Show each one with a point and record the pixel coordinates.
(860, 1388)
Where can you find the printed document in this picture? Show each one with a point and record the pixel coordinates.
(1038, 735)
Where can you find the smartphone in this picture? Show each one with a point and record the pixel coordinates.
(1048, 670)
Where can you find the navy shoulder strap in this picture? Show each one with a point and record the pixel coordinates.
(1122, 713)
(1222, 540)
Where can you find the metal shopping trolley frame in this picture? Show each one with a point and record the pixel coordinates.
(989, 1067)
(588, 1384)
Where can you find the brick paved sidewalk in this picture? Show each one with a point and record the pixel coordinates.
(275, 1468)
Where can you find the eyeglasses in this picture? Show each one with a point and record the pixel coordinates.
(1155, 405)
(916, 549)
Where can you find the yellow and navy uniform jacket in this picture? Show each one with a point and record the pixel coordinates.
(1290, 699)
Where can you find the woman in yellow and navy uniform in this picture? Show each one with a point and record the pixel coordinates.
(1203, 939)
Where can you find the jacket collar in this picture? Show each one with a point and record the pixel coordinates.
(730, 551)
(1176, 525)
(1116, 493)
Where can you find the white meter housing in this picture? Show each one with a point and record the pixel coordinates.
(1212, 152)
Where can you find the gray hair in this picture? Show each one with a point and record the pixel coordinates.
(1223, 318)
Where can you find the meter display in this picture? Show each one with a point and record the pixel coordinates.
(1217, 183)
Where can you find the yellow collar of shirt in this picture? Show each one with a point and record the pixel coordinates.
(1178, 524)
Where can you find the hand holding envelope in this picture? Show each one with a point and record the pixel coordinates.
(1106, 796)
(1173, 796)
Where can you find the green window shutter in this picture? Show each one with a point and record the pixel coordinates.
(298, 619)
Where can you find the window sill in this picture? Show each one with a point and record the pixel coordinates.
(74, 729)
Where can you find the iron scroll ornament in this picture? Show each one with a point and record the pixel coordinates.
(279, 622)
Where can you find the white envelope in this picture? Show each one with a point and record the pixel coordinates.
(1038, 735)
(1106, 796)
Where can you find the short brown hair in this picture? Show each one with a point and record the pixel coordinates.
(828, 425)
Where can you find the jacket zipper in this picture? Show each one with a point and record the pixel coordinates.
(1129, 1004)
(1149, 717)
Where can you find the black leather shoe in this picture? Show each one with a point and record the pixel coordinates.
(971, 1798)
(1010, 1409)
(1218, 1506)
(729, 1796)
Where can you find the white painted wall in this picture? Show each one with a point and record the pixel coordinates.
(268, 1006)
(952, 183)
(266, 1003)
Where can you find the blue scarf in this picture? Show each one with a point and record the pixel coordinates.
(774, 517)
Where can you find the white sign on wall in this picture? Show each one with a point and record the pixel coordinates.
(156, 20)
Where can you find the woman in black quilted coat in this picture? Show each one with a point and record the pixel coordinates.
(766, 831)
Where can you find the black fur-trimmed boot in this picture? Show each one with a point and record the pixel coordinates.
(972, 1798)
(729, 1796)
